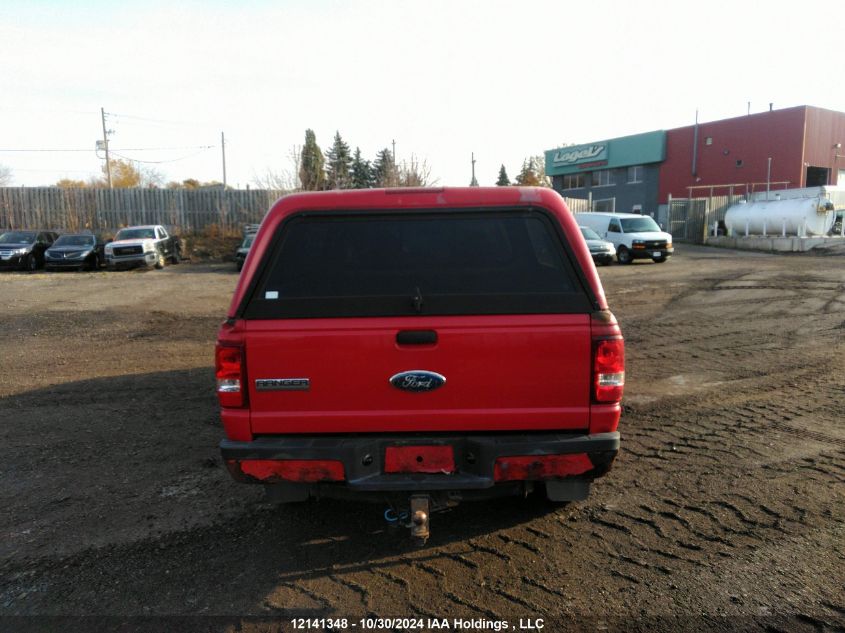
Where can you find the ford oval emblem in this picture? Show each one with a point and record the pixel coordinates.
(417, 380)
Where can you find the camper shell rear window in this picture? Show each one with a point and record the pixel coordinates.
(351, 264)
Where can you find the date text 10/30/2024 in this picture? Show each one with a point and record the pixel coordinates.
(423, 624)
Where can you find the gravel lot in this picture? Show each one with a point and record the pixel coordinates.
(724, 510)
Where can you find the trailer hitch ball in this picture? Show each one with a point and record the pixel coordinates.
(420, 525)
(420, 518)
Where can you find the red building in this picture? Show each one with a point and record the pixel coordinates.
(806, 145)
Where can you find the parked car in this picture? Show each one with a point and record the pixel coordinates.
(243, 251)
(24, 250)
(602, 252)
(421, 348)
(75, 251)
(143, 246)
(634, 236)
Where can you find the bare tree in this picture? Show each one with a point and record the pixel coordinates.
(533, 173)
(127, 173)
(414, 173)
(5, 176)
(540, 164)
(285, 179)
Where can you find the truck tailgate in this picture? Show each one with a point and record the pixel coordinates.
(520, 372)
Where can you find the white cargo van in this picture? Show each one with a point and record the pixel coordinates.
(634, 236)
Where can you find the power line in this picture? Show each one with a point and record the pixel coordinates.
(158, 162)
(46, 150)
(123, 149)
(48, 110)
(152, 120)
(53, 171)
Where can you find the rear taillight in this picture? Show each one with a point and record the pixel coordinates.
(299, 470)
(608, 369)
(231, 378)
(533, 467)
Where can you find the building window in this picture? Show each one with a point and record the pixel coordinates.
(602, 178)
(606, 205)
(739, 163)
(635, 174)
(573, 181)
(708, 140)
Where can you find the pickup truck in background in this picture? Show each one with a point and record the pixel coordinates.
(148, 245)
(420, 347)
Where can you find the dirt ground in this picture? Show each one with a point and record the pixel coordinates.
(723, 512)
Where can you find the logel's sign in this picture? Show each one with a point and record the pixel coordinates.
(580, 154)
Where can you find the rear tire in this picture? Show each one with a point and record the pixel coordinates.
(31, 263)
(623, 256)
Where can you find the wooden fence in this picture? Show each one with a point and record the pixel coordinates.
(106, 210)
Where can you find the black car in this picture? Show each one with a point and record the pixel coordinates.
(243, 251)
(24, 250)
(75, 251)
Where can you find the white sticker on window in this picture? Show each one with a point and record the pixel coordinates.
(271, 294)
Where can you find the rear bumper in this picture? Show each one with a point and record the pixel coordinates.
(475, 458)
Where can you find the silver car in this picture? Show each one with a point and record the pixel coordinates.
(601, 251)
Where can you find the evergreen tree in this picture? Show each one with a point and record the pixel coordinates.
(529, 176)
(362, 171)
(311, 172)
(385, 172)
(338, 165)
(503, 180)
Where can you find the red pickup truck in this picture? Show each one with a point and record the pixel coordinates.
(420, 346)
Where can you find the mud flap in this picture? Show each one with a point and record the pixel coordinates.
(567, 490)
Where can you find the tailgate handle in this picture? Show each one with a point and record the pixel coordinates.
(416, 337)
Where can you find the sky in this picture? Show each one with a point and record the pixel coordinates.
(443, 79)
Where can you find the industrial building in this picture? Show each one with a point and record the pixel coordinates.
(620, 174)
(788, 148)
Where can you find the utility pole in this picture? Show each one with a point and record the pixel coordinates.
(106, 145)
(473, 182)
(394, 151)
(223, 148)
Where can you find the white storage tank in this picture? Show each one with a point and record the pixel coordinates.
(801, 216)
